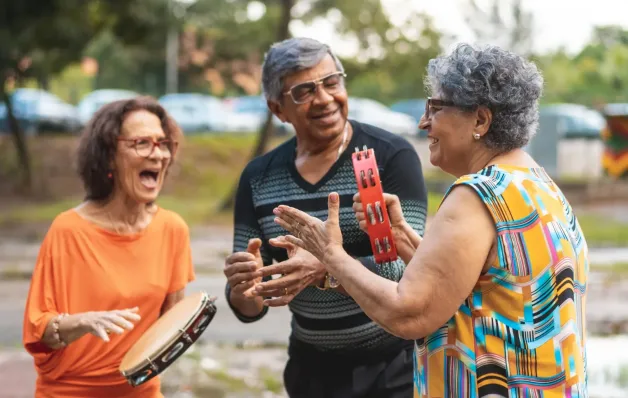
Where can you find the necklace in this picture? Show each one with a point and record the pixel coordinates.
(344, 140)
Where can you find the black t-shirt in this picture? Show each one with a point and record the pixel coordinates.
(328, 320)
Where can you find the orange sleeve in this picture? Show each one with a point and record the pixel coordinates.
(41, 306)
(182, 267)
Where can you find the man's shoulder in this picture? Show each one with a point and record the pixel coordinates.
(381, 140)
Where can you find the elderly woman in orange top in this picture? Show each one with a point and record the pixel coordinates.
(108, 268)
(494, 293)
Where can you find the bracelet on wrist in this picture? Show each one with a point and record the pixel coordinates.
(329, 282)
(55, 329)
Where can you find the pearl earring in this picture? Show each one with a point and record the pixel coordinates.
(476, 136)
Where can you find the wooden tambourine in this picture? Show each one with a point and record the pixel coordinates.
(169, 337)
(372, 195)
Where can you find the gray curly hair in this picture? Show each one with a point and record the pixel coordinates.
(290, 56)
(506, 83)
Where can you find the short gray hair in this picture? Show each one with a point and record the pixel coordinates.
(506, 83)
(290, 56)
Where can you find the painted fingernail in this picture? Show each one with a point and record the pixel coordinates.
(276, 210)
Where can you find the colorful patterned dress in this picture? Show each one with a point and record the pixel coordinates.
(521, 331)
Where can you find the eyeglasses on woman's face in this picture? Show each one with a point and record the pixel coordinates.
(433, 105)
(145, 146)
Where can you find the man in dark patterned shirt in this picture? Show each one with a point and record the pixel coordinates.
(335, 349)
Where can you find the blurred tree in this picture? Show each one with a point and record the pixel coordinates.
(505, 23)
(598, 74)
(40, 37)
(399, 73)
(284, 8)
(389, 55)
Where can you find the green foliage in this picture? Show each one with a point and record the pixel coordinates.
(596, 75)
(218, 38)
(40, 38)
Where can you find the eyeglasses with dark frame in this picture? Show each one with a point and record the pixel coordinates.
(432, 105)
(145, 146)
(305, 92)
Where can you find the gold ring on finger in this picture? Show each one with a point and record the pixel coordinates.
(285, 291)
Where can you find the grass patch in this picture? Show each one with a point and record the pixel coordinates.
(603, 231)
(202, 209)
(231, 383)
(614, 269)
(197, 210)
(270, 381)
(206, 171)
(14, 273)
(433, 202)
(36, 212)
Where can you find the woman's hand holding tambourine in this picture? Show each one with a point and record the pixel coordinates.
(405, 237)
(393, 205)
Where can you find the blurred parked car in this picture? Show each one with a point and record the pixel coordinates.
(412, 107)
(572, 121)
(194, 113)
(96, 99)
(369, 111)
(38, 111)
(254, 107)
(198, 113)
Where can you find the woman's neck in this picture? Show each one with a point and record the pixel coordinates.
(121, 215)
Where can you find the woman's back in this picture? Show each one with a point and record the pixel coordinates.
(522, 329)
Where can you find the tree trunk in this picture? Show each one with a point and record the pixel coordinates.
(19, 141)
(44, 81)
(266, 132)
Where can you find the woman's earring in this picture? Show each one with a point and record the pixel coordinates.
(110, 176)
(476, 136)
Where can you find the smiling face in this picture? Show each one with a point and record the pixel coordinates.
(450, 131)
(142, 157)
(323, 115)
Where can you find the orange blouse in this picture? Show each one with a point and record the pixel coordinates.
(82, 267)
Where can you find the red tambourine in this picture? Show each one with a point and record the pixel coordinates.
(372, 195)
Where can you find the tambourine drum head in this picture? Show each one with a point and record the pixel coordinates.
(162, 331)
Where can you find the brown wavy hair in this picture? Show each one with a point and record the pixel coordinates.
(98, 143)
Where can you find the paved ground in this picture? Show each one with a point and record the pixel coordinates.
(606, 305)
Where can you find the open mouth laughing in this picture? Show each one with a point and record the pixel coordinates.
(150, 177)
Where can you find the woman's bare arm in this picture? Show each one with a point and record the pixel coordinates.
(98, 323)
(438, 278)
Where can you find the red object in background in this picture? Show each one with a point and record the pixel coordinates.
(372, 196)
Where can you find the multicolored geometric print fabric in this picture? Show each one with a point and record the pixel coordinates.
(521, 331)
(615, 137)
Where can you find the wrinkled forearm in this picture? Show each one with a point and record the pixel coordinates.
(70, 329)
(407, 241)
(378, 297)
